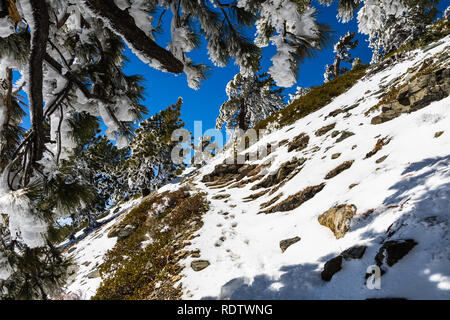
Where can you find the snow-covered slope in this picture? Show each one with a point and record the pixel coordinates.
(405, 195)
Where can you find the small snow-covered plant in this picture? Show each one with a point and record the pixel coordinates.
(250, 99)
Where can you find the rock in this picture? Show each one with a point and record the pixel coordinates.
(198, 265)
(297, 199)
(335, 113)
(335, 133)
(335, 156)
(337, 219)
(283, 172)
(284, 244)
(333, 173)
(381, 159)
(344, 135)
(378, 146)
(94, 274)
(416, 95)
(393, 251)
(325, 129)
(438, 134)
(221, 196)
(331, 267)
(353, 185)
(299, 143)
(355, 252)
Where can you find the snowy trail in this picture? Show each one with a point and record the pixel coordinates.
(410, 188)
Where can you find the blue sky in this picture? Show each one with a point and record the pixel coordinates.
(163, 89)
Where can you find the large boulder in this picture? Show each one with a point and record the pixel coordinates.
(416, 95)
(337, 219)
(299, 143)
(296, 200)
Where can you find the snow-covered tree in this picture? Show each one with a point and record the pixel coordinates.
(69, 58)
(447, 13)
(300, 92)
(150, 164)
(250, 99)
(342, 54)
(388, 23)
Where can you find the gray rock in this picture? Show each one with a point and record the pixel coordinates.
(198, 265)
(284, 244)
(355, 252)
(393, 251)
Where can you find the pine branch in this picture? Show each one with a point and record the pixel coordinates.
(122, 23)
(40, 34)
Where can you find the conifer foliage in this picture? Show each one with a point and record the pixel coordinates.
(342, 51)
(151, 163)
(250, 100)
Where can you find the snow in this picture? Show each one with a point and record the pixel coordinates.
(409, 193)
(411, 188)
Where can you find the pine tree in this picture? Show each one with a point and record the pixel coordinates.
(150, 164)
(250, 100)
(342, 51)
(388, 23)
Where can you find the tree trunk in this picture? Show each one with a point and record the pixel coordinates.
(122, 23)
(39, 37)
(337, 65)
(243, 117)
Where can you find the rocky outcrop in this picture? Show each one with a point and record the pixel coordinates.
(325, 129)
(284, 244)
(337, 219)
(296, 200)
(344, 135)
(299, 143)
(416, 95)
(341, 168)
(393, 251)
(226, 172)
(283, 172)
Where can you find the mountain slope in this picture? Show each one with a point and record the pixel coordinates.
(359, 173)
